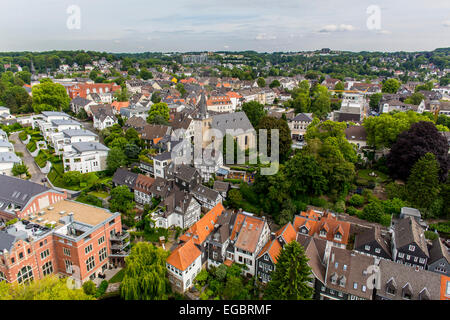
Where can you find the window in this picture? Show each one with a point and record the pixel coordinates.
(68, 265)
(13, 260)
(344, 267)
(101, 240)
(367, 248)
(47, 268)
(102, 254)
(377, 250)
(355, 285)
(363, 288)
(88, 249)
(412, 248)
(45, 254)
(25, 274)
(20, 255)
(422, 260)
(66, 251)
(401, 255)
(2, 276)
(90, 263)
(408, 257)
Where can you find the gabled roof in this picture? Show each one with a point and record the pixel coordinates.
(407, 231)
(438, 251)
(183, 256)
(247, 231)
(203, 227)
(235, 120)
(273, 248)
(287, 232)
(125, 177)
(18, 191)
(372, 235)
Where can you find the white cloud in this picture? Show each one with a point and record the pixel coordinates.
(446, 23)
(384, 32)
(265, 36)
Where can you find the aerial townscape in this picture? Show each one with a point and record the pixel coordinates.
(116, 180)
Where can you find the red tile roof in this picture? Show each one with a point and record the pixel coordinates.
(183, 256)
(203, 227)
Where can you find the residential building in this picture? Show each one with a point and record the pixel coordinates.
(142, 189)
(85, 157)
(409, 246)
(400, 282)
(439, 258)
(299, 124)
(183, 265)
(372, 243)
(22, 198)
(103, 116)
(79, 243)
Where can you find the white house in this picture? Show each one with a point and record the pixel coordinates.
(6, 146)
(103, 116)
(68, 137)
(183, 265)
(7, 161)
(85, 157)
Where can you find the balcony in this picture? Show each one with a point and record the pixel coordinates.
(119, 236)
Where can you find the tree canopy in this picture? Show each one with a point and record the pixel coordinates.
(49, 96)
(145, 273)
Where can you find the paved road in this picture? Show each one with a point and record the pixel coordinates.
(28, 160)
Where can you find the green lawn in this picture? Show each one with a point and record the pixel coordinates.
(380, 177)
(100, 194)
(118, 277)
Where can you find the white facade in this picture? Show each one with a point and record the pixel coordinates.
(84, 161)
(183, 279)
(107, 122)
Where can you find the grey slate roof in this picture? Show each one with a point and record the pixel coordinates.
(7, 157)
(64, 122)
(6, 241)
(206, 192)
(237, 120)
(407, 230)
(221, 186)
(18, 191)
(125, 177)
(371, 235)
(438, 251)
(89, 146)
(79, 101)
(78, 132)
(302, 117)
(400, 275)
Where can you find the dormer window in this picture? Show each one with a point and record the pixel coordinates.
(338, 236)
(367, 248)
(412, 248)
(323, 233)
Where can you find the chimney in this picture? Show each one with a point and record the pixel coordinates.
(70, 217)
(332, 257)
(272, 235)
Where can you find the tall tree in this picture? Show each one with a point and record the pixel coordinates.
(423, 182)
(145, 273)
(285, 141)
(254, 111)
(421, 138)
(115, 159)
(291, 275)
(390, 86)
(158, 111)
(49, 96)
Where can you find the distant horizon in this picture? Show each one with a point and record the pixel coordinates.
(211, 25)
(220, 51)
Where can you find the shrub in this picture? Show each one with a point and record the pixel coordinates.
(31, 146)
(10, 222)
(385, 220)
(339, 206)
(89, 288)
(23, 135)
(102, 288)
(431, 235)
(356, 200)
(202, 277)
(353, 211)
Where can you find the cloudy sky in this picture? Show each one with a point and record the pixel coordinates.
(196, 25)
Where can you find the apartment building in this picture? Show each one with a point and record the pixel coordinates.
(85, 157)
(67, 238)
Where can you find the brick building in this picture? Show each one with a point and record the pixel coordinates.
(67, 238)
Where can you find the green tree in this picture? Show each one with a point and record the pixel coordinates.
(145, 273)
(274, 84)
(339, 86)
(261, 82)
(375, 101)
(122, 95)
(48, 288)
(145, 74)
(423, 182)
(254, 111)
(49, 96)
(121, 199)
(158, 111)
(89, 288)
(373, 211)
(285, 141)
(291, 275)
(416, 98)
(19, 169)
(390, 86)
(116, 158)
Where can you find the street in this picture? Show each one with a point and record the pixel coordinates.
(28, 160)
